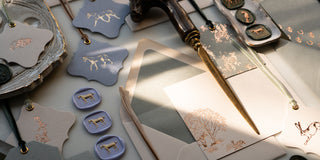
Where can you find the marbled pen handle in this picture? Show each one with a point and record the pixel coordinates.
(177, 15)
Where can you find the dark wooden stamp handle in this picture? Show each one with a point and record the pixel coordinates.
(177, 15)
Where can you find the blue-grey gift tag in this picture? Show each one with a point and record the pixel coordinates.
(98, 61)
(102, 16)
(36, 151)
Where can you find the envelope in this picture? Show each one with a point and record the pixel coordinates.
(154, 61)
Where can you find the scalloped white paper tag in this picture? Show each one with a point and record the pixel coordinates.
(302, 130)
(23, 44)
(43, 124)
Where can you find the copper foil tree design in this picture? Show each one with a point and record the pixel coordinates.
(205, 124)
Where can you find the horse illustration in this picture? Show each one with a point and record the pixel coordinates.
(310, 131)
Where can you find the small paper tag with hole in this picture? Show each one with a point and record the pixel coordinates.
(23, 44)
(36, 151)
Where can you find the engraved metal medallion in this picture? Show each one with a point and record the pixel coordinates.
(233, 4)
(258, 32)
(245, 16)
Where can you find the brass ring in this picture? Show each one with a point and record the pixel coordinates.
(12, 24)
(29, 107)
(87, 41)
(24, 152)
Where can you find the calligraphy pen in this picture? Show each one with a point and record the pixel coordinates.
(190, 35)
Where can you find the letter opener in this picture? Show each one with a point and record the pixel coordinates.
(190, 35)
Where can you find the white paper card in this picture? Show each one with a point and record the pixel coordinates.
(213, 120)
(302, 129)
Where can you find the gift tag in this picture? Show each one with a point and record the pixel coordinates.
(302, 130)
(36, 151)
(98, 61)
(227, 57)
(23, 44)
(102, 16)
(43, 124)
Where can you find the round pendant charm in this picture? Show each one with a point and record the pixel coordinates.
(233, 4)
(245, 16)
(5, 74)
(258, 32)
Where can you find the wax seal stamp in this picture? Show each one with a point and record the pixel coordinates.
(245, 16)
(233, 4)
(110, 147)
(5, 74)
(258, 32)
(86, 98)
(97, 122)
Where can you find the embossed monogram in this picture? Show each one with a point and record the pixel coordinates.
(110, 145)
(20, 43)
(104, 16)
(96, 121)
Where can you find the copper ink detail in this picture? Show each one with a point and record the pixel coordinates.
(20, 43)
(289, 29)
(230, 62)
(309, 42)
(42, 135)
(221, 33)
(311, 35)
(300, 32)
(205, 126)
(310, 131)
(104, 16)
(298, 39)
(235, 145)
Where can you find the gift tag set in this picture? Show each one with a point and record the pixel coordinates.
(96, 60)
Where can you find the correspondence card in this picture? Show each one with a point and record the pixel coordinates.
(155, 67)
(215, 123)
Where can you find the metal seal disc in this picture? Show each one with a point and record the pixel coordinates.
(232, 4)
(245, 16)
(258, 32)
(5, 74)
